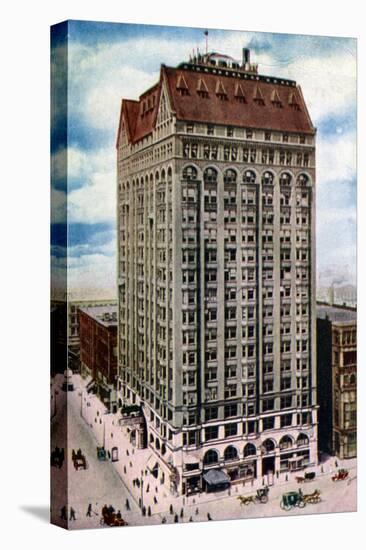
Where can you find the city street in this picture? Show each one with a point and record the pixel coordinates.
(100, 483)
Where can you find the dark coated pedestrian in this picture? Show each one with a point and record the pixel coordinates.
(163, 520)
(190, 519)
(197, 511)
(176, 518)
(89, 511)
(149, 511)
(144, 510)
(171, 509)
(72, 514)
(63, 513)
(181, 513)
(209, 516)
(127, 504)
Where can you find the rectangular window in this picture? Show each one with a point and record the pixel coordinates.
(231, 429)
(211, 413)
(230, 410)
(268, 423)
(212, 432)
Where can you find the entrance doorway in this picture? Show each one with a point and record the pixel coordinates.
(268, 465)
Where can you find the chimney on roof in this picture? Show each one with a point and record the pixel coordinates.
(246, 56)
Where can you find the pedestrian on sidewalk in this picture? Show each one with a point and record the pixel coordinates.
(89, 511)
(190, 519)
(209, 516)
(197, 512)
(63, 513)
(163, 520)
(171, 509)
(176, 518)
(144, 510)
(72, 514)
(127, 504)
(149, 511)
(181, 513)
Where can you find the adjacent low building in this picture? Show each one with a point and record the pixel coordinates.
(337, 375)
(98, 350)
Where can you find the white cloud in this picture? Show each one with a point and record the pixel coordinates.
(58, 206)
(94, 202)
(336, 158)
(100, 76)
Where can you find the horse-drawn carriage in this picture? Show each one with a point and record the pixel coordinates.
(340, 475)
(309, 476)
(111, 518)
(292, 499)
(79, 460)
(260, 496)
(101, 454)
(297, 498)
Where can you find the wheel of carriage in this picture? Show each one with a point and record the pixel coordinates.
(264, 499)
(302, 504)
(285, 506)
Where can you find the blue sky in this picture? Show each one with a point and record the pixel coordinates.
(108, 61)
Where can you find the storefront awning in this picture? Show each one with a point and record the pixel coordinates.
(216, 477)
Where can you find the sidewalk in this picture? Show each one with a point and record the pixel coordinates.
(134, 468)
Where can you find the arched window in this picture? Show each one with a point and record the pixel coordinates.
(211, 457)
(302, 179)
(189, 173)
(268, 445)
(249, 176)
(230, 176)
(230, 453)
(285, 442)
(163, 175)
(302, 439)
(249, 450)
(285, 178)
(267, 178)
(210, 175)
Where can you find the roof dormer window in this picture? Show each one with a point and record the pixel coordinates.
(258, 96)
(202, 89)
(220, 91)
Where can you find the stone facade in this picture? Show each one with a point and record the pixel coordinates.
(216, 273)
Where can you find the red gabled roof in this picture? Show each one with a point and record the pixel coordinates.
(268, 105)
(253, 114)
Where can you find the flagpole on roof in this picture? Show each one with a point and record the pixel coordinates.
(206, 35)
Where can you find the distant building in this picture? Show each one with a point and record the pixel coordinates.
(98, 350)
(337, 365)
(84, 298)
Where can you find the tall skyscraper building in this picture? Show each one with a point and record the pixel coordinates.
(216, 271)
